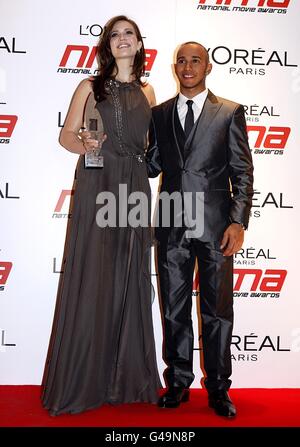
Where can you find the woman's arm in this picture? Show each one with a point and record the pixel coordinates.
(69, 138)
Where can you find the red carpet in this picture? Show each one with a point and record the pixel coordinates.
(20, 407)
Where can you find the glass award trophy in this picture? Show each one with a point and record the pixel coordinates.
(94, 125)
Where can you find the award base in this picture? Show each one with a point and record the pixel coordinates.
(93, 160)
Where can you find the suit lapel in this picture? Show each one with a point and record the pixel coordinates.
(180, 134)
(210, 109)
(173, 111)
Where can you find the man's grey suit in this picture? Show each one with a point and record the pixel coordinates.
(214, 159)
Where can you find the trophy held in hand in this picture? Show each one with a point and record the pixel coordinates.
(94, 125)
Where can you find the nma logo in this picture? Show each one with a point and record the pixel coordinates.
(83, 57)
(253, 3)
(5, 268)
(7, 125)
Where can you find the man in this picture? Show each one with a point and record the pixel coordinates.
(199, 143)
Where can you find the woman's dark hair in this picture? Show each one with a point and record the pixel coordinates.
(107, 61)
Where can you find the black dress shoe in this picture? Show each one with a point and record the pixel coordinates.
(222, 404)
(173, 397)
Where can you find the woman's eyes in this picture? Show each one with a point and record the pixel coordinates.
(116, 34)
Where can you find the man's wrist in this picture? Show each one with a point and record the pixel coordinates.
(239, 223)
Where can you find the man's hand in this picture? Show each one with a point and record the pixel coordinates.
(233, 239)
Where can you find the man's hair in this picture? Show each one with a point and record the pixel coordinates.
(195, 43)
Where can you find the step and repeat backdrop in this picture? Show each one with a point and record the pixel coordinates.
(46, 49)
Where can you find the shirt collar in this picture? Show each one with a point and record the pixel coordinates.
(198, 99)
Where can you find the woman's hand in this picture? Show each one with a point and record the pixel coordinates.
(89, 143)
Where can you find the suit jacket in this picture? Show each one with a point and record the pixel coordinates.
(215, 159)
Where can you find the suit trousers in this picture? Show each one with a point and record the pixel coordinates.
(176, 262)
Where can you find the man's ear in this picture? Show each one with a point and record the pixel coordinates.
(208, 69)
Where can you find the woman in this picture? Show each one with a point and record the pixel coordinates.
(102, 344)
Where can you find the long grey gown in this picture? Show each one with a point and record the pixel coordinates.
(102, 346)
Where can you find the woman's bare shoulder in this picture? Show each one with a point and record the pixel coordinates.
(148, 91)
(148, 87)
(86, 85)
